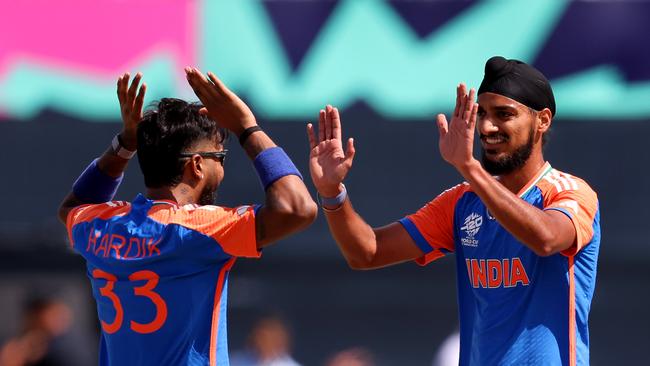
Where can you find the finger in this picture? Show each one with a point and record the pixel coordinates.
(134, 88)
(336, 124)
(321, 125)
(311, 136)
(121, 87)
(443, 126)
(220, 86)
(195, 81)
(120, 96)
(328, 122)
(139, 101)
(472, 117)
(458, 99)
(349, 153)
(462, 95)
(469, 104)
(203, 111)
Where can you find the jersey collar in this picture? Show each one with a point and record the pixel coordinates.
(545, 169)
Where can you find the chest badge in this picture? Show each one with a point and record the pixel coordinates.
(471, 227)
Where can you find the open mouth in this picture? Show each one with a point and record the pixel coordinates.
(493, 140)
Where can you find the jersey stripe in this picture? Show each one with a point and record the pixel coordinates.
(554, 182)
(571, 180)
(572, 314)
(215, 313)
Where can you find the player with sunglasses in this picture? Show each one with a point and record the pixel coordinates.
(159, 265)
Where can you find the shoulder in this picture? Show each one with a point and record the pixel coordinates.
(102, 211)
(202, 218)
(556, 182)
(454, 192)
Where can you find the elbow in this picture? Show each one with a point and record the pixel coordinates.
(298, 214)
(544, 251)
(545, 246)
(359, 265)
(305, 212)
(62, 214)
(361, 261)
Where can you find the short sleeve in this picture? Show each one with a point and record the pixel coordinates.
(573, 197)
(432, 226)
(87, 213)
(75, 216)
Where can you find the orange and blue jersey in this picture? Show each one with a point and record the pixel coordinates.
(159, 274)
(515, 307)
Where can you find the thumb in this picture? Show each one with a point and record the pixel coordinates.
(443, 126)
(203, 111)
(350, 151)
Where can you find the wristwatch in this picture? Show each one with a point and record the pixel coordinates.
(120, 150)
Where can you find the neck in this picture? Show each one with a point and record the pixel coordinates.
(516, 180)
(182, 194)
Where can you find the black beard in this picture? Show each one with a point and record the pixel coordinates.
(510, 163)
(208, 196)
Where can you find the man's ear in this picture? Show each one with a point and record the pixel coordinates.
(545, 118)
(194, 169)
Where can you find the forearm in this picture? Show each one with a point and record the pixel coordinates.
(355, 238)
(256, 143)
(533, 227)
(97, 183)
(288, 206)
(111, 164)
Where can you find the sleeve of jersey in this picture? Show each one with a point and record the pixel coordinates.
(431, 227)
(234, 230)
(580, 204)
(75, 216)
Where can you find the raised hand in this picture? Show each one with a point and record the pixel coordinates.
(220, 104)
(457, 139)
(130, 107)
(328, 163)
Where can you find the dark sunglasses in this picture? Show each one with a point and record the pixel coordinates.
(218, 155)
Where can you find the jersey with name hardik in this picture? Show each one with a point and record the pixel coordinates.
(159, 274)
(515, 307)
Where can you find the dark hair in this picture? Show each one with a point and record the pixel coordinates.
(171, 127)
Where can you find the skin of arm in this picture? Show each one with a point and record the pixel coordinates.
(362, 246)
(131, 100)
(544, 232)
(288, 206)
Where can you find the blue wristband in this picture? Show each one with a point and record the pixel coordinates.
(333, 203)
(273, 164)
(95, 186)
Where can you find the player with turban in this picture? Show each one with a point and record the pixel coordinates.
(525, 236)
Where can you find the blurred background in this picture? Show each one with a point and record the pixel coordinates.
(390, 66)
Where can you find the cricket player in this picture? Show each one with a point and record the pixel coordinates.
(159, 264)
(525, 236)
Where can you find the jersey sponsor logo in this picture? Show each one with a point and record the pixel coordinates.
(123, 247)
(495, 273)
(472, 225)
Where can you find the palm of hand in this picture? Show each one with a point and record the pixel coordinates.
(327, 163)
(456, 142)
(456, 145)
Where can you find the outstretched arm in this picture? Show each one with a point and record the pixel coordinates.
(288, 206)
(362, 246)
(110, 167)
(544, 232)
